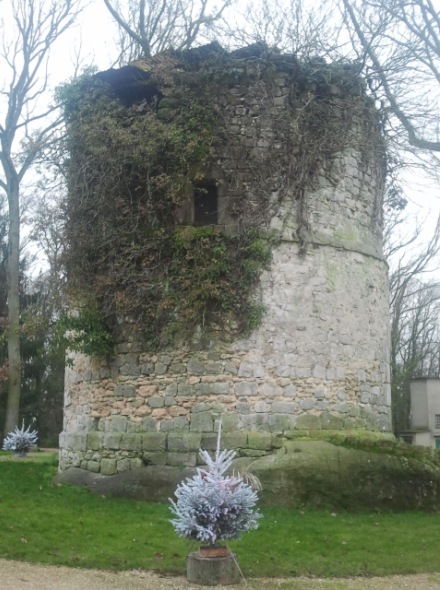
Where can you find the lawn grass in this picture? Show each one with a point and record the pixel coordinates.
(62, 525)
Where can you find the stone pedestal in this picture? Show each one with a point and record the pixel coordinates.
(211, 571)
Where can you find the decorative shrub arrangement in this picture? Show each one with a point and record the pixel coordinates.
(20, 441)
(212, 506)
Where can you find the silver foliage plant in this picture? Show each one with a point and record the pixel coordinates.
(20, 440)
(212, 506)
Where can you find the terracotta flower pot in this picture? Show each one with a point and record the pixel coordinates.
(214, 551)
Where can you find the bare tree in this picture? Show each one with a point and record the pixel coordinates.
(290, 26)
(151, 26)
(398, 44)
(414, 313)
(29, 31)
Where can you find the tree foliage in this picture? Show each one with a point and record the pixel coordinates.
(28, 29)
(213, 506)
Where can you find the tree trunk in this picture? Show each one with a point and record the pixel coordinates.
(14, 358)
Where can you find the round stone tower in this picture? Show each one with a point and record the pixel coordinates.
(319, 359)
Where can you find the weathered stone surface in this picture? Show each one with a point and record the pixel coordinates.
(108, 466)
(332, 422)
(125, 391)
(202, 422)
(112, 440)
(131, 442)
(308, 422)
(259, 440)
(318, 359)
(181, 442)
(95, 440)
(182, 459)
(154, 441)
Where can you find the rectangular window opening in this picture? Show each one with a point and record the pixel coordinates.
(205, 203)
(437, 421)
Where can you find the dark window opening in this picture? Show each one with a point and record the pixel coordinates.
(205, 203)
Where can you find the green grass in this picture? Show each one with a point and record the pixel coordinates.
(43, 522)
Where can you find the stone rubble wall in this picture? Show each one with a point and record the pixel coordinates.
(318, 361)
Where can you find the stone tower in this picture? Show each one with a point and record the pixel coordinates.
(319, 357)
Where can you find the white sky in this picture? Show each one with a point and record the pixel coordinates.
(94, 37)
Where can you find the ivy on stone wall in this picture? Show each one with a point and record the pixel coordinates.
(133, 162)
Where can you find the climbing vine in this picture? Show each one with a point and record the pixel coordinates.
(133, 163)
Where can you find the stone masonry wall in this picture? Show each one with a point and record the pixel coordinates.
(318, 361)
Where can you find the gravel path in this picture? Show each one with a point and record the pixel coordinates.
(16, 575)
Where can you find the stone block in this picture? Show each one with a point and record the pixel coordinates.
(184, 441)
(156, 401)
(246, 370)
(78, 442)
(319, 372)
(277, 441)
(261, 407)
(108, 466)
(229, 422)
(200, 407)
(154, 441)
(123, 465)
(234, 440)
(171, 389)
(307, 404)
(94, 440)
(201, 422)
(259, 440)
(160, 369)
(149, 424)
(231, 368)
(178, 423)
(93, 466)
(213, 369)
(185, 389)
(177, 369)
(246, 388)
(269, 390)
(332, 422)
(182, 459)
(202, 389)
(209, 442)
(308, 422)
(131, 370)
(112, 440)
(136, 463)
(147, 368)
(117, 424)
(284, 407)
(281, 422)
(221, 388)
(243, 408)
(195, 367)
(131, 442)
(150, 458)
(290, 391)
(125, 390)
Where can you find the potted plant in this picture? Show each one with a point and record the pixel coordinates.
(20, 441)
(212, 507)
